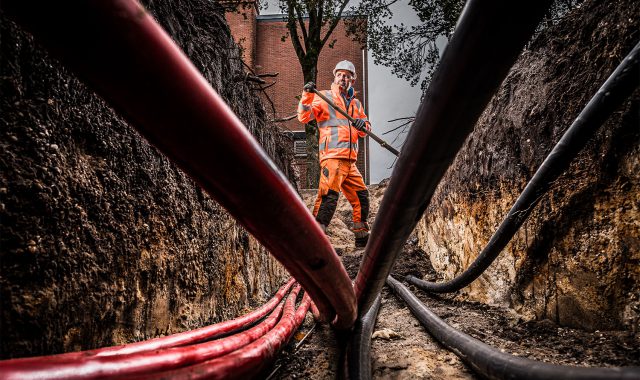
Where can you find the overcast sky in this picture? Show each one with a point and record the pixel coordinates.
(389, 98)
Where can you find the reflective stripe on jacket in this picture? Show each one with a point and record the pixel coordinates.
(338, 139)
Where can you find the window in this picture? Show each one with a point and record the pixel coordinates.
(300, 148)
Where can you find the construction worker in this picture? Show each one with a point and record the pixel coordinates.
(338, 148)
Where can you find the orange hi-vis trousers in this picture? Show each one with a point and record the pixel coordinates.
(336, 175)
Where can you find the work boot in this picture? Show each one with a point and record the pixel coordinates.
(361, 231)
(362, 241)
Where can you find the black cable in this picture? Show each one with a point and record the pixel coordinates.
(359, 350)
(486, 42)
(494, 364)
(620, 84)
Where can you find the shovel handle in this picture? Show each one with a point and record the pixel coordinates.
(352, 120)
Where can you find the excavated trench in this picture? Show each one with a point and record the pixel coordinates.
(103, 241)
(402, 349)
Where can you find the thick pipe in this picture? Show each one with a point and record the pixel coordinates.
(491, 363)
(175, 340)
(358, 358)
(251, 360)
(147, 362)
(619, 86)
(119, 49)
(461, 87)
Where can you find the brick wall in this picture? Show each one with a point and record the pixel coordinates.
(243, 28)
(272, 55)
(275, 55)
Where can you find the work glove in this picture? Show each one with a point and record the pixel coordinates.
(360, 124)
(309, 86)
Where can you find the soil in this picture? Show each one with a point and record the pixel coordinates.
(575, 260)
(401, 347)
(103, 240)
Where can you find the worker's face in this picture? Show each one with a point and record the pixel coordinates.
(344, 79)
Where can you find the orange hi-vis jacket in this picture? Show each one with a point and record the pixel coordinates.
(338, 139)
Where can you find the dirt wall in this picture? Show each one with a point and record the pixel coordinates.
(576, 259)
(102, 240)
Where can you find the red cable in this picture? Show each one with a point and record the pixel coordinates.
(100, 366)
(250, 360)
(316, 313)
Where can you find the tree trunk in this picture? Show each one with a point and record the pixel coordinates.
(311, 130)
(313, 164)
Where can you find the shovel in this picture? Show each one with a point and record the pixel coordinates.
(352, 120)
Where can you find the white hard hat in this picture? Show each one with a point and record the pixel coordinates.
(345, 65)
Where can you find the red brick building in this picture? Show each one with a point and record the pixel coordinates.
(265, 52)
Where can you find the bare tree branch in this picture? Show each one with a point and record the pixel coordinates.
(248, 78)
(302, 26)
(402, 118)
(267, 86)
(295, 39)
(334, 22)
(266, 95)
(286, 118)
(382, 6)
(320, 19)
(273, 107)
(315, 24)
(396, 128)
